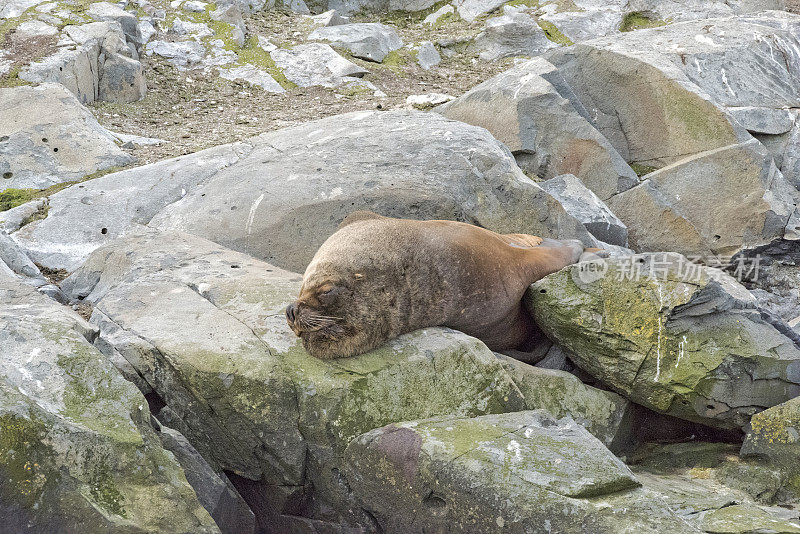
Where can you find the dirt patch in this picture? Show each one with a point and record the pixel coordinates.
(793, 6)
(193, 110)
(20, 50)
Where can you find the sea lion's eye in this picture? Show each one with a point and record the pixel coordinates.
(328, 294)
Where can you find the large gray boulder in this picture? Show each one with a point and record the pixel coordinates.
(96, 61)
(676, 337)
(713, 203)
(280, 195)
(204, 328)
(77, 452)
(533, 111)
(366, 40)
(513, 34)
(312, 64)
(48, 137)
(516, 472)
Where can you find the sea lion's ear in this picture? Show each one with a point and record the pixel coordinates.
(361, 215)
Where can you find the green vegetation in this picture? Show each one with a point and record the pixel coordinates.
(641, 169)
(639, 21)
(11, 198)
(553, 33)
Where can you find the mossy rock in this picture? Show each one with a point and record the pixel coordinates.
(77, 452)
(676, 337)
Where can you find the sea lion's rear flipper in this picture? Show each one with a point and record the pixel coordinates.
(522, 240)
(361, 215)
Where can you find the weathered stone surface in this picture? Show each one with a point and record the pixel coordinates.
(427, 55)
(104, 11)
(289, 194)
(513, 34)
(741, 201)
(469, 10)
(80, 219)
(498, 473)
(254, 76)
(315, 64)
(77, 452)
(675, 337)
(659, 95)
(528, 108)
(204, 326)
(695, 482)
(584, 205)
(76, 69)
(774, 434)
(48, 137)
(121, 80)
(214, 490)
(604, 414)
(366, 40)
(15, 259)
(182, 54)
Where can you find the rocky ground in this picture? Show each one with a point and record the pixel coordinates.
(167, 169)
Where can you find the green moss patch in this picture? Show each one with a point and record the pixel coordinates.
(639, 21)
(11, 198)
(641, 169)
(553, 33)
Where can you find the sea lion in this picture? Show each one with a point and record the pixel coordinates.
(379, 277)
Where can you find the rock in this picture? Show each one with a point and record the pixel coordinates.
(446, 10)
(513, 34)
(135, 141)
(214, 491)
(584, 23)
(397, 163)
(353, 7)
(48, 137)
(111, 206)
(254, 76)
(763, 120)
(35, 28)
(496, 473)
(102, 67)
(367, 40)
(107, 11)
(197, 30)
(121, 80)
(76, 69)
(774, 435)
(673, 336)
(403, 175)
(14, 8)
(660, 95)
(692, 479)
(16, 260)
(584, 205)
(427, 101)
(753, 204)
(427, 55)
(194, 6)
(790, 159)
(204, 326)
(606, 415)
(330, 18)
(469, 10)
(181, 54)
(529, 109)
(312, 64)
(77, 452)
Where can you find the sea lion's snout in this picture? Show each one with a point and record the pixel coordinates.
(291, 317)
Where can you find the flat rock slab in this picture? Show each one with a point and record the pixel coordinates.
(506, 472)
(77, 452)
(367, 40)
(48, 137)
(312, 64)
(676, 337)
(280, 195)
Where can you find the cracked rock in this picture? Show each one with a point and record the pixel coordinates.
(498, 473)
(676, 337)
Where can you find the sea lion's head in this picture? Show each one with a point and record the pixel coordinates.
(346, 301)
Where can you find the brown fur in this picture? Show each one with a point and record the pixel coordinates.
(377, 278)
